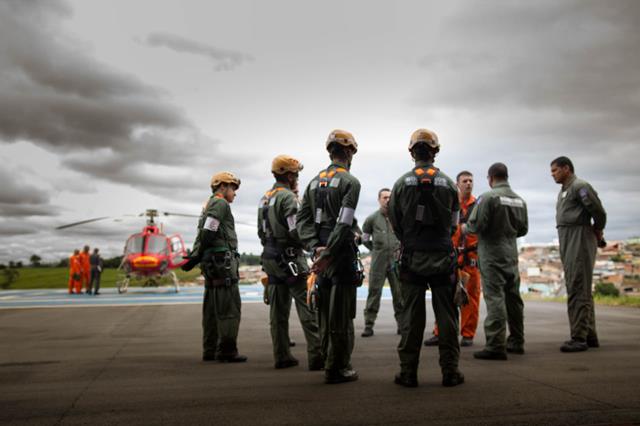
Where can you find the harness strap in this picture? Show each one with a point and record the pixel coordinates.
(321, 194)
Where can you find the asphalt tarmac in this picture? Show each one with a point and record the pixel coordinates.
(142, 364)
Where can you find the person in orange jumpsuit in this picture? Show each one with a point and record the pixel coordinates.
(85, 265)
(75, 273)
(467, 246)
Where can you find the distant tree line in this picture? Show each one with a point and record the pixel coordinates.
(35, 261)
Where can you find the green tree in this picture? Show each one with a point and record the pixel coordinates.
(35, 260)
(249, 259)
(617, 258)
(606, 289)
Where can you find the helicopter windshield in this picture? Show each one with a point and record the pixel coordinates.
(134, 244)
(157, 244)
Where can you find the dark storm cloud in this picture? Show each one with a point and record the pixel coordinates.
(14, 228)
(18, 199)
(531, 81)
(103, 122)
(223, 59)
(571, 64)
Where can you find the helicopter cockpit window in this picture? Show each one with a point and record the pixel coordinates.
(135, 244)
(157, 244)
(176, 244)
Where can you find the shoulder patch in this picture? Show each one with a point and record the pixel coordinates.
(411, 181)
(313, 184)
(335, 182)
(584, 192)
(272, 201)
(440, 181)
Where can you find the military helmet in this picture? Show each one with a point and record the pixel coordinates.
(424, 136)
(343, 138)
(284, 163)
(224, 177)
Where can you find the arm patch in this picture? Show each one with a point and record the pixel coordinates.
(212, 224)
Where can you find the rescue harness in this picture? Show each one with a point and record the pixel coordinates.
(284, 255)
(430, 229)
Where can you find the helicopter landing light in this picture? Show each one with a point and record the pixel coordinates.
(144, 262)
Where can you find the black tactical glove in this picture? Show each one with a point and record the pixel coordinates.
(191, 263)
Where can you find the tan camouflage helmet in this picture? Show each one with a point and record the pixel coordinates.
(284, 163)
(343, 138)
(224, 177)
(424, 136)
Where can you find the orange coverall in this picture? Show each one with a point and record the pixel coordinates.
(468, 260)
(75, 270)
(85, 265)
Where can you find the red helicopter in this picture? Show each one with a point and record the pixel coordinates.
(150, 254)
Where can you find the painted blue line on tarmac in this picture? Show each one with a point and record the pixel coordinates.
(14, 299)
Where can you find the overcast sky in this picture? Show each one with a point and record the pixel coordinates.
(109, 108)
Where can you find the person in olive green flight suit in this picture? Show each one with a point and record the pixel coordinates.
(285, 264)
(378, 236)
(327, 227)
(577, 205)
(216, 250)
(498, 219)
(424, 211)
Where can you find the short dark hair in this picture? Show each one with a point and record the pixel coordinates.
(463, 173)
(383, 190)
(337, 151)
(281, 178)
(423, 152)
(499, 171)
(563, 161)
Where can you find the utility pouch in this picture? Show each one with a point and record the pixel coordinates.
(221, 266)
(358, 267)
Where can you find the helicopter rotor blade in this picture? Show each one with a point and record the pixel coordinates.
(180, 214)
(82, 222)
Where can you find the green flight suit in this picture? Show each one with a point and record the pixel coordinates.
(577, 204)
(499, 218)
(216, 246)
(378, 236)
(424, 216)
(326, 218)
(281, 258)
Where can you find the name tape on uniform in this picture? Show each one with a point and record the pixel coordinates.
(512, 202)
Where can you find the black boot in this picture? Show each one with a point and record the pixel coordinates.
(232, 358)
(406, 380)
(286, 363)
(340, 376)
(432, 341)
(574, 346)
(454, 378)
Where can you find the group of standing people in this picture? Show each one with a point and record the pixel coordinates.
(429, 233)
(85, 270)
